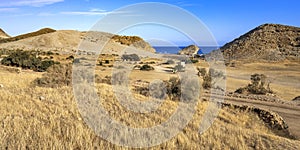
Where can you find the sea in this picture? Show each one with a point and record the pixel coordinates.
(175, 50)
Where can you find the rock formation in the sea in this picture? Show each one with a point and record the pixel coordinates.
(190, 50)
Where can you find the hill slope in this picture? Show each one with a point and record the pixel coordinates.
(268, 42)
(27, 35)
(68, 41)
(3, 34)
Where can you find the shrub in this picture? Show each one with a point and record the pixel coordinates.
(179, 68)
(190, 88)
(158, 90)
(49, 53)
(210, 78)
(146, 68)
(56, 76)
(201, 72)
(76, 61)
(131, 57)
(207, 82)
(45, 65)
(170, 62)
(174, 88)
(194, 61)
(71, 57)
(258, 85)
(119, 78)
(27, 60)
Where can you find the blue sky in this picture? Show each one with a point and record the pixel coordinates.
(226, 19)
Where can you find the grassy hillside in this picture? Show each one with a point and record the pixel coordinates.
(29, 121)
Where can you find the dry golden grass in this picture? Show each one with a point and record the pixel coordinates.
(55, 123)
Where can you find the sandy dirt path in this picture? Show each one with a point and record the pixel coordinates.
(290, 113)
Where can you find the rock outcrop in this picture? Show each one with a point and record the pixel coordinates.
(134, 41)
(268, 42)
(190, 50)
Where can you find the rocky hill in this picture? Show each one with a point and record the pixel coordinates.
(67, 41)
(3, 34)
(268, 42)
